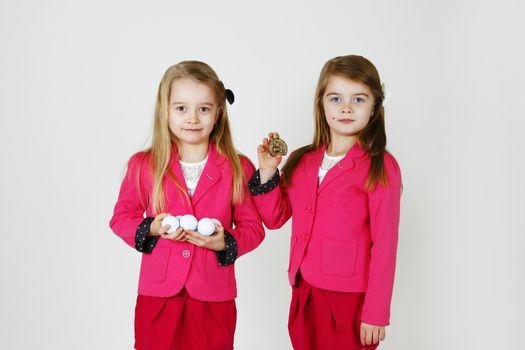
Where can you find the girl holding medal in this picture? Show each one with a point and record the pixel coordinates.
(343, 192)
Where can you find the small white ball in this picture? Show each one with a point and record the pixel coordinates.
(206, 226)
(216, 221)
(188, 222)
(172, 221)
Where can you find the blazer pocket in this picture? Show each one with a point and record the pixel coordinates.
(338, 258)
(155, 265)
(214, 274)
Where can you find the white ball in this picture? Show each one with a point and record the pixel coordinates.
(206, 226)
(188, 222)
(216, 221)
(172, 221)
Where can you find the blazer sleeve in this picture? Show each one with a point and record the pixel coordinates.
(384, 207)
(271, 200)
(248, 230)
(130, 207)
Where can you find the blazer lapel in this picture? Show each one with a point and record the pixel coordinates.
(344, 165)
(210, 174)
(312, 163)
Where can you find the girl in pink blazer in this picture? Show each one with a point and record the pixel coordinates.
(343, 192)
(187, 284)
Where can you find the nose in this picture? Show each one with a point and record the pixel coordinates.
(347, 109)
(193, 118)
(346, 106)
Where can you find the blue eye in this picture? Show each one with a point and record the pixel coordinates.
(335, 99)
(359, 100)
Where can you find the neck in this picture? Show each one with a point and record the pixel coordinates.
(340, 144)
(189, 153)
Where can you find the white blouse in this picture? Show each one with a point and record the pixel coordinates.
(192, 173)
(327, 164)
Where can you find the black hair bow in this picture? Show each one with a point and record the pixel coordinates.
(230, 97)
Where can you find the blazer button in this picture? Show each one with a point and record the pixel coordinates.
(309, 208)
(186, 253)
(305, 236)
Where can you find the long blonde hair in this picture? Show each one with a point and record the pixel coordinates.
(372, 138)
(162, 142)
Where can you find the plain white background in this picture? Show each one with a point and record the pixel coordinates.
(77, 88)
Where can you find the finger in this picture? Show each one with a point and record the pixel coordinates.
(375, 336)
(201, 237)
(164, 230)
(194, 241)
(362, 335)
(264, 145)
(174, 235)
(194, 234)
(216, 235)
(181, 237)
(382, 333)
(368, 337)
(165, 235)
(179, 234)
(197, 237)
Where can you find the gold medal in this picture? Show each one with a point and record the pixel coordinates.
(277, 146)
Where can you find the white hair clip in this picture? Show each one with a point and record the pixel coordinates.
(386, 94)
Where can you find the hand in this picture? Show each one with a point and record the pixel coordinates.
(214, 242)
(179, 235)
(156, 229)
(371, 334)
(267, 164)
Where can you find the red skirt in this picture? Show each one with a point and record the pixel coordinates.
(182, 322)
(321, 319)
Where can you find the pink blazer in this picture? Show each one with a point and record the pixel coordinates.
(343, 237)
(173, 265)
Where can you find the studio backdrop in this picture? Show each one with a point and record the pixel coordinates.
(78, 82)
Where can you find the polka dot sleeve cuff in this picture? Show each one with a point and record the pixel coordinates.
(228, 256)
(143, 242)
(256, 188)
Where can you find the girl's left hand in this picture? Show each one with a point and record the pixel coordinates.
(371, 334)
(214, 242)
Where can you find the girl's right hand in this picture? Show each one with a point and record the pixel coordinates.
(156, 229)
(267, 164)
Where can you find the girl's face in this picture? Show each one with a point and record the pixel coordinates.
(193, 111)
(348, 105)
